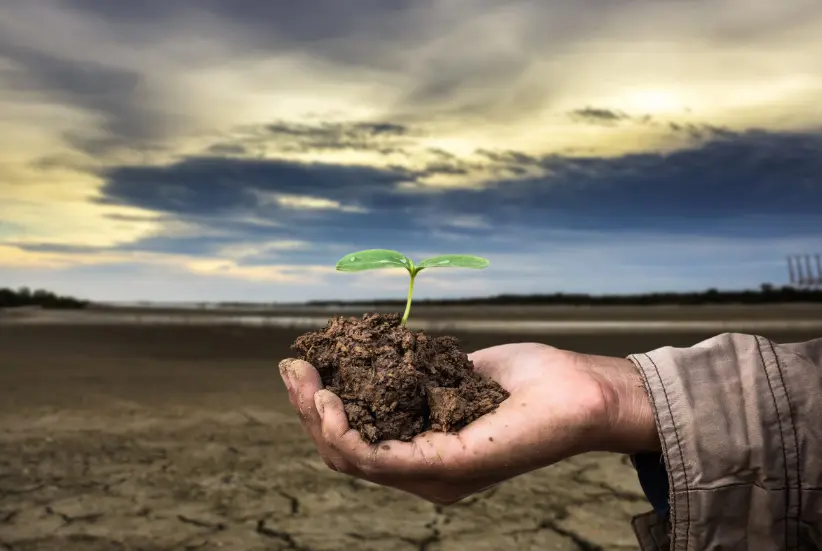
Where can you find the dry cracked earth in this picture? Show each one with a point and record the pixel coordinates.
(150, 438)
(248, 480)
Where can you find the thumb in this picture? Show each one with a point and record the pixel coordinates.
(492, 362)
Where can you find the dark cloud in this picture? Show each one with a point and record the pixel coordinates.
(118, 96)
(61, 162)
(594, 115)
(456, 70)
(755, 184)
(322, 27)
(58, 248)
(380, 137)
(218, 186)
(512, 163)
(786, 19)
(285, 137)
(701, 131)
(731, 180)
(132, 217)
(609, 117)
(227, 149)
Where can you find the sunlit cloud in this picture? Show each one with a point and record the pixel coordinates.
(304, 202)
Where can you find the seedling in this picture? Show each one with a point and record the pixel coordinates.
(376, 259)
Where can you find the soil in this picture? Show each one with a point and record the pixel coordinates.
(396, 383)
(117, 437)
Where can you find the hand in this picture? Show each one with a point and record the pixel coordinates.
(561, 404)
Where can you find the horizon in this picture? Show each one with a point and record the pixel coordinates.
(234, 150)
(719, 296)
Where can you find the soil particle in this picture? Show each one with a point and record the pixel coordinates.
(397, 383)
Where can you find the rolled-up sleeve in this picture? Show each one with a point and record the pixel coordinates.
(740, 423)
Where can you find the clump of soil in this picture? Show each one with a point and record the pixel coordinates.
(396, 383)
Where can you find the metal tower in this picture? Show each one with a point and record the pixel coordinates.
(805, 270)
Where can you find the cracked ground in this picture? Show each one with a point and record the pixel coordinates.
(150, 438)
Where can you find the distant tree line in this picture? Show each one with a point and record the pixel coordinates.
(10, 298)
(766, 294)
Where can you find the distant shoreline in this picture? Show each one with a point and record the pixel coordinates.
(534, 319)
(767, 295)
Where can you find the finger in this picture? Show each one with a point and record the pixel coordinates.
(372, 462)
(303, 381)
(297, 376)
(284, 365)
(388, 462)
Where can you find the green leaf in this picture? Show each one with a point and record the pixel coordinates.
(373, 259)
(454, 261)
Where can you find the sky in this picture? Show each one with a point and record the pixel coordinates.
(215, 150)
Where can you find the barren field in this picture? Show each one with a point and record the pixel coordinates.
(149, 437)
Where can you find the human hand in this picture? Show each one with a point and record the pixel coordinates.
(561, 404)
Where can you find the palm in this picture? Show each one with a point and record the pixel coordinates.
(553, 397)
(550, 401)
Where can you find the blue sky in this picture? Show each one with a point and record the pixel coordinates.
(234, 150)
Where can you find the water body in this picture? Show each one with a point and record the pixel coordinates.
(438, 326)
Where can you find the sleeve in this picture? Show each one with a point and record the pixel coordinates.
(740, 424)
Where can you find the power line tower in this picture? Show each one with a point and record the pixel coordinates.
(805, 270)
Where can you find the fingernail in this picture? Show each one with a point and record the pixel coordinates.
(284, 364)
(318, 403)
(285, 372)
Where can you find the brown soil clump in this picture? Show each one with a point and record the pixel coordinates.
(396, 383)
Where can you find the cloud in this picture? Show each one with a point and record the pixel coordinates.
(595, 115)
(359, 136)
(222, 186)
(696, 131)
(119, 98)
(376, 141)
(197, 138)
(470, 75)
(305, 202)
(735, 185)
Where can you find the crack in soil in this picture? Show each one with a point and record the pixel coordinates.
(20, 491)
(285, 537)
(293, 501)
(252, 420)
(435, 536)
(582, 543)
(578, 477)
(378, 536)
(215, 526)
(68, 519)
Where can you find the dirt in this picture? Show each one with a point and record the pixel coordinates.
(396, 383)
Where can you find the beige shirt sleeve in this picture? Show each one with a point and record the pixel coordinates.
(740, 422)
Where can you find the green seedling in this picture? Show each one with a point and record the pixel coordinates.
(376, 259)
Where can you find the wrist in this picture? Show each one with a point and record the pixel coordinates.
(629, 423)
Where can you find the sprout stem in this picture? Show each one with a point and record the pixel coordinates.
(408, 304)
